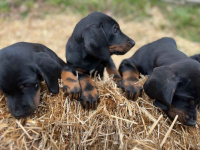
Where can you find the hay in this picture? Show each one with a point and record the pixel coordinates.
(117, 123)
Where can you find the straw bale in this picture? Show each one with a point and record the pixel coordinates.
(117, 123)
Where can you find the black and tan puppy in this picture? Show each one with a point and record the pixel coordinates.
(93, 41)
(23, 66)
(174, 80)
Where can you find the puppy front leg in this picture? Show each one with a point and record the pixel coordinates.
(130, 84)
(111, 69)
(89, 95)
(70, 83)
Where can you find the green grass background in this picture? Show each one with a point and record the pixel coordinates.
(184, 19)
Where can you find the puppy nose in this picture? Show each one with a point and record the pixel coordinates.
(131, 42)
(191, 120)
(191, 123)
(26, 107)
(18, 114)
(23, 111)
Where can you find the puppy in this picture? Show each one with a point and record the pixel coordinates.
(23, 65)
(89, 49)
(174, 80)
(196, 57)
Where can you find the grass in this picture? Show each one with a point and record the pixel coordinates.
(4, 6)
(186, 21)
(183, 18)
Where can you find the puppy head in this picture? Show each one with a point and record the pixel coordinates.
(20, 83)
(21, 87)
(102, 36)
(175, 92)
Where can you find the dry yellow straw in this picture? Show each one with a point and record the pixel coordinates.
(54, 143)
(23, 129)
(155, 123)
(148, 114)
(1, 98)
(123, 119)
(169, 131)
(117, 123)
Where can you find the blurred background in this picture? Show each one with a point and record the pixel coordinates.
(51, 22)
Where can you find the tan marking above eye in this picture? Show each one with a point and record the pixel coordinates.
(128, 74)
(192, 102)
(21, 87)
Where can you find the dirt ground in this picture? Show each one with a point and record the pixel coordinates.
(54, 31)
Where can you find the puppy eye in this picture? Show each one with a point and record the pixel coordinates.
(36, 85)
(26, 85)
(116, 28)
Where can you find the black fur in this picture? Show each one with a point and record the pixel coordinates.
(88, 47)
(23, 65)
(174, 78)
(94, 39)
(196, 57)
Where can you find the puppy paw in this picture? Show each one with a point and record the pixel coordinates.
(118, 81)
(89, 95)
(71, 85)
(132, 89)
(89, 99)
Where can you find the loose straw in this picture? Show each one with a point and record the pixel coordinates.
(155, 123)
(23, 129)
(122, 119)
(169, 131)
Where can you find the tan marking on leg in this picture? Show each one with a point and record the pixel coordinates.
(37, 98)
(71, 84)
(131, 85)
(89, 92)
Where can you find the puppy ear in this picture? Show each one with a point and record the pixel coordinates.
(49, 70)
(160, 105)
(161, 85)
(196, 57)
(95, 42)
